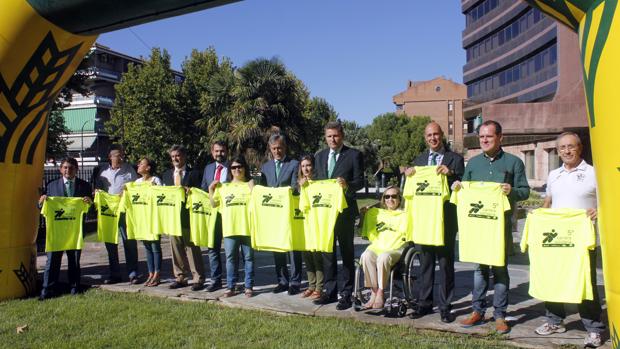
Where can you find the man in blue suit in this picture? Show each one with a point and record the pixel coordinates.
(218, 170)
(282, 172)
(71, 186)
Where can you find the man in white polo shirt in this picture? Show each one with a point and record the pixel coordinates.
(573, 185)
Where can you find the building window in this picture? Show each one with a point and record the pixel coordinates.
(553, 159)
(530, 164)
(399, 107)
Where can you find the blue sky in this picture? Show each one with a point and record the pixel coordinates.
(355, 54)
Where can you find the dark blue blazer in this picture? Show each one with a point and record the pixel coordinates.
(209, 173)
(350, 166)
(57, 188)
(288, 173)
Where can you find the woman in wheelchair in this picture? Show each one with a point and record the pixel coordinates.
(386, 229)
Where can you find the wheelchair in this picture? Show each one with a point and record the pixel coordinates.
(403, 287)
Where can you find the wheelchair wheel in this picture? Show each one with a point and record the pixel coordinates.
(411, 276)
(361, 295)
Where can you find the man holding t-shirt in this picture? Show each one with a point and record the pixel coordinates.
(495, 165)
(573, 185)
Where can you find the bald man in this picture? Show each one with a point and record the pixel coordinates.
(453, 166)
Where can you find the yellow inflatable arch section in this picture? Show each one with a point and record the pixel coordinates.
(42, 43)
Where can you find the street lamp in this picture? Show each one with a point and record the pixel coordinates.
(82, 139)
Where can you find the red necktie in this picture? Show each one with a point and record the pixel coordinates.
(218, 172)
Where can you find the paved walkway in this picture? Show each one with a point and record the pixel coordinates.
(525, 313)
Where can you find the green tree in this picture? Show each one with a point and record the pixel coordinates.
(317, 113)
(357, 137)
(147, 116)
(398, 137)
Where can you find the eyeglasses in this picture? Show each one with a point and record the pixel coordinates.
(236, 167)
(393, 196)
(568, 147)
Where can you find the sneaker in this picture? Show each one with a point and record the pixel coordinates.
(473, 320)
(593, 340)
(547, 329)
(501, 326)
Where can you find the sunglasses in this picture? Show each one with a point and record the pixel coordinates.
(236, 167)
(393, 196)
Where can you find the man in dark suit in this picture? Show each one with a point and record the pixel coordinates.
(282, 172)
(185, 255)
(452, 165)
(346, 165)
(218, 170)
(71, 186)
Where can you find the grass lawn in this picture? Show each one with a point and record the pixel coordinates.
(113, 320)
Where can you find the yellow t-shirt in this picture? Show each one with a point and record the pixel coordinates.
(233, 199)
(270, 218)
(136, 203)
(63, 221)
(107, 216)
(480, 211)
(558, 241)
(385, 229)
(322, 201)
(166, 205)
(425, 193)
(202, 218)
(301, 241)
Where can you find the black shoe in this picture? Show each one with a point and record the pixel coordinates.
(419, 312)
(344, 303)
(280, 288)
(447, 317)
(293, 290)
(324, 299)
(74, 291)
(134, 280)
(214, 287)
(111, 281)
(45, 295)
(177, 284)
(198, 286)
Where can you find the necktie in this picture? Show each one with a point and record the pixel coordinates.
(218, 172)
(331, 164)
(178, 174)
(278, 167)
(69, 188)
(434, 159)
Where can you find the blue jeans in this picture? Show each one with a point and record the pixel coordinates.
(501, 284)
(131, 253)
(215, 263)
(231, 246)
(153, 255)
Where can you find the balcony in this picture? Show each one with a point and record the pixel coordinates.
(101, 73)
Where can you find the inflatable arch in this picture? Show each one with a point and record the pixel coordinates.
(42, 42)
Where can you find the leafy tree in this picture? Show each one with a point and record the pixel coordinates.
(317, 113)
(357, 137)
(147, 115)
(399, 138)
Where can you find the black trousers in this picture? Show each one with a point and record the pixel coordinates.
(444, 255)
(343, 235)
(281, 262)
(52, 269)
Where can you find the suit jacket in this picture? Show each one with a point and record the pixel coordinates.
(57, 188)
(288, 173)
(209, 173)
(350, 166)
(191, 178)
(456, 164)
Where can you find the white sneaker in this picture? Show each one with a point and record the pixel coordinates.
(547, 329)
(593, 340)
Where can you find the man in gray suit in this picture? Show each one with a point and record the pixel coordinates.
(281, 171)
(218, 170)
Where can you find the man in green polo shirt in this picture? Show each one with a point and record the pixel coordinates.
(495, 165)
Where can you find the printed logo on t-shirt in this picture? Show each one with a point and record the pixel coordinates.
(320, 201)
(299, 214)
(105, 211)
(135, 200)
(425, 188)
(382, 226)
(58, 216)
(268, 200)
(161, 202)
(230, 201)
(554, 239)
(480, 210)
(198, 208)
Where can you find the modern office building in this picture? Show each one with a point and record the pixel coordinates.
(440, 99)
(523, 71)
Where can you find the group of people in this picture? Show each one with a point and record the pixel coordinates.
(345, 165)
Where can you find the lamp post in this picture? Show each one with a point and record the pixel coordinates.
(82, 138)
